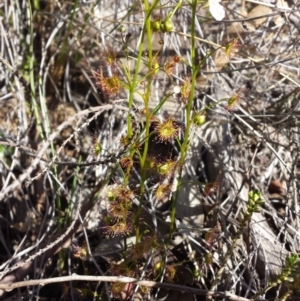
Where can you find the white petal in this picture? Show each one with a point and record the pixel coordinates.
(216, 9)
(177, 89)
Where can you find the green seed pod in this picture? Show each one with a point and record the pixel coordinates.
(166, 25)
(163, 169)
(156, 25)
(122, 29)
(199, 119)
(155, 68)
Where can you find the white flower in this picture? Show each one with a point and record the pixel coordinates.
(177, 89)
(216, 9)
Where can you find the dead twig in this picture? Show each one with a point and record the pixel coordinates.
(147, 283)
(48, 249)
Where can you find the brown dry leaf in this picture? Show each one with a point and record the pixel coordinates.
(262, 12)
(224, 54)
(259, 11)
(9, 116)
(220, 58)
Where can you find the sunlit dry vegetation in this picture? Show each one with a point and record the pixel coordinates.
(149, 150)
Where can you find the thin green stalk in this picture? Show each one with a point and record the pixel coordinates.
(42, 98)
(286, 295)
(133, 84)
(147, 28)
(254, 201)
(31, 74)
(228, 255)
(186, 142)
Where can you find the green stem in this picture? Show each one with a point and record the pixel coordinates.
(133, 84)
(170, 15)
(286, 295)
(31, 75)
(229, 253)
(146, 29)
(186, 142)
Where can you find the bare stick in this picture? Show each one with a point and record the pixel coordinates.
(147, 283)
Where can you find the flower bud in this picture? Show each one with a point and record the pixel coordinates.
(156, 25)
(199, 119)
(122, 29)
(155, 68)
(166, 25)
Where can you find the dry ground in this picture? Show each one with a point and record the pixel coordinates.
(54, 186)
